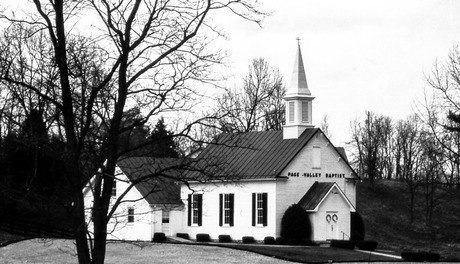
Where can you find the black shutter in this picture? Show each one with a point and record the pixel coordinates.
(200, 209)
(220, 208)
(265, 208)
(232, 202)
(254, 201)
(189, 219)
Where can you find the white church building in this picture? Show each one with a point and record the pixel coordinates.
(247, 182)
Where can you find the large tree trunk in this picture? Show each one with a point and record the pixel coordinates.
(78, 212)
(100, 237)
(81, 238)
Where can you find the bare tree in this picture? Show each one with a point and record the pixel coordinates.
(409, 161)
(441, 111)
(150, 55)
(432, 171)
(387, 164)
(259, 106)
(324, 125)
(369, 139)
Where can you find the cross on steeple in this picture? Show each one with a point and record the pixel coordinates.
(298, 40)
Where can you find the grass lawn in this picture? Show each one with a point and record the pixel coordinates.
(63, 251)
(385, 211)
(312, 254)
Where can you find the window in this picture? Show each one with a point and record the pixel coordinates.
(291, 112)
(131, 215)
(226, 203)
(259, 209)
(114, 188)
(316, 157)
(165, 217)
(195, 204)
(305, 112)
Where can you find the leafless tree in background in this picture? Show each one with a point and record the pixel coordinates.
(324, 126)
(259, 106)
(441, 111)
(408, 152)
(370, 139)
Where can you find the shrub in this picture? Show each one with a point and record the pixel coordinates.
(295, 223)
(420, 256)
(292, 241)
(369, 245)
(307, 242)
(345, 244)
(269, 240)
(248, 240)
(432, 257)
(357, 229)
(225, 239)
(159, 237)
(182, 235)
(203, 238)
(280, 241)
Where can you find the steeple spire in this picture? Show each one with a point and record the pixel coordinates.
(299, 79)
(298, 101)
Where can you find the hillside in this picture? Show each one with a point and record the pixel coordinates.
(385, 211)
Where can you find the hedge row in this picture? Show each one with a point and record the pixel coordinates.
(225, 239)
(203, 238)
(159, 237)
(182, 235)
(345, 244)
(248, 240)
(269, 240)
(420, 256)
(368, 245)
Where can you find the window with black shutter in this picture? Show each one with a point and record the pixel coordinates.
(259, 209)
(195, 209)
(226, 209)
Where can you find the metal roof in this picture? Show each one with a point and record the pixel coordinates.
(253, 155)
(156, 178)
(315, 195)
(343, 154)
(318, 192)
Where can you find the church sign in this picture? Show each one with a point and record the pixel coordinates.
(316, 175)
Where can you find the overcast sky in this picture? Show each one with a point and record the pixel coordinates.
(358, 55)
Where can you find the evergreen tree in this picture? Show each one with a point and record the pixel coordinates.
(133, 142)
(163, 144)
(34, 128)
(32, 175)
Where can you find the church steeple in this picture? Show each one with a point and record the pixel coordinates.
(298, 101)
(299, 79)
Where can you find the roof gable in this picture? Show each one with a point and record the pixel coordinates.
(159, 185)
(250, 155)
(343, 155)
(318, 193)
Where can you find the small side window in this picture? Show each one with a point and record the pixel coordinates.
(130, 215)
